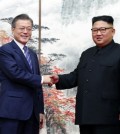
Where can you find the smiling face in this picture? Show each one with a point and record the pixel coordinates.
(104, 36)
(22, 31)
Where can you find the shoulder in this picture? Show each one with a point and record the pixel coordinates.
(117, 45)
(89, 50)
(5, 47)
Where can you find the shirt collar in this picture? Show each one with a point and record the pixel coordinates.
(20, 45)
(105, 48)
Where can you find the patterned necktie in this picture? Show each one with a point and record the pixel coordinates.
(27, 55)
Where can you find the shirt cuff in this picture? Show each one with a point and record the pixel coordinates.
(42, 79)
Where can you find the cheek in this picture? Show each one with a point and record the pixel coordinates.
(30, 34)
(15, 33)
(107, 37)
(94, 37)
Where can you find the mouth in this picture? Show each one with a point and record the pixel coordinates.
(99, 39)
(25, 37)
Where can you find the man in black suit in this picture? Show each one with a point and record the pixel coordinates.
(97, 77)
(21, 95)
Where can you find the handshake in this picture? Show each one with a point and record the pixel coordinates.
(50, 79)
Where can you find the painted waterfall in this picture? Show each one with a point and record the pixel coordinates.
(66, 33)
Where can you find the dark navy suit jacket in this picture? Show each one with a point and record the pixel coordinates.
(20, 88)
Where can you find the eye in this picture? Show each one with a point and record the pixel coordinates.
(22, 28)
(94, 30)
(103, 29)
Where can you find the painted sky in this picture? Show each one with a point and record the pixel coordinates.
(15, 7)
(75, 36)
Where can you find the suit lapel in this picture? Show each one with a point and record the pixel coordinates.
(20, 53)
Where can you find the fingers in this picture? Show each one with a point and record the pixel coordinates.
(42, 121)
(54, 78)
(50, 79)
(47, 79)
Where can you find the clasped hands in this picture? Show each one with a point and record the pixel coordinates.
(50, 79)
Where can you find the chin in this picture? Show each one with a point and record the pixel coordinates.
(24, 42)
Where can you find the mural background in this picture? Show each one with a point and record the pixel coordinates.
(10, 10)
(65, 33)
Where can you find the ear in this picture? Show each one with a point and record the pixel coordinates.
(113, 31)
(12, 29)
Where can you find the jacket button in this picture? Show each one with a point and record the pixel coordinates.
(86, 91)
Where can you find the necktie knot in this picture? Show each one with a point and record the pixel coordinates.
(25, 49)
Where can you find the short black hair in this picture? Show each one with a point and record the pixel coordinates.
(106, 18)
(21, 17)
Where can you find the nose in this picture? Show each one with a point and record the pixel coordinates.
(25, 30)
(98, 32)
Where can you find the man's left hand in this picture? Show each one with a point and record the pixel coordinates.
(42, 120)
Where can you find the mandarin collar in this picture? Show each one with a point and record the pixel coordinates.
(104, 49)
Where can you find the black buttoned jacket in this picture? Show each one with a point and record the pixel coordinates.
(97, 78)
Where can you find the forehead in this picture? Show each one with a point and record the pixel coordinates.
(101, 24)
(23, 23)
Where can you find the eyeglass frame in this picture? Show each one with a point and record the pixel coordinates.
(95, 30)
(29, 29)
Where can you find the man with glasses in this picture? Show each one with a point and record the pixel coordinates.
(97, 77)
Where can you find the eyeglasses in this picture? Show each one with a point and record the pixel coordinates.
(102, 30)
(22, 29)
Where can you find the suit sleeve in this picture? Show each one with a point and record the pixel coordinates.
(67, 81)
(70, 80)
(40, 95)
(41, 101)
(14, 72)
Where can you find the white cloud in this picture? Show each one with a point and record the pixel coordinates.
(50, 6)
(15, 7)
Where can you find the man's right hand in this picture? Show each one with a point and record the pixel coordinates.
(46, 79)
(50, 79)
